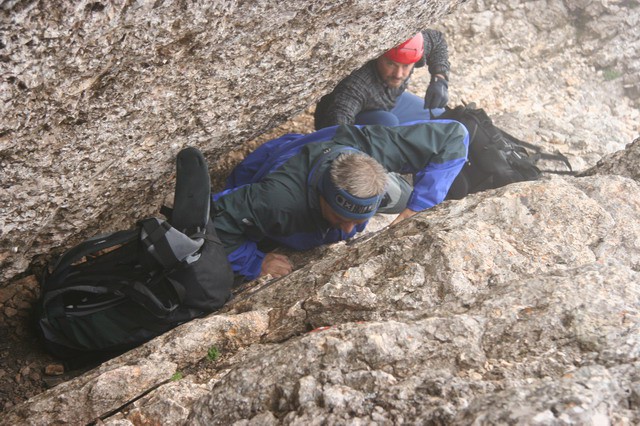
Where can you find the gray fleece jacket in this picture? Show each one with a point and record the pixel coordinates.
(363, 90)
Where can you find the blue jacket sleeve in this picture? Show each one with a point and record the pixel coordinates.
(432, 184)
(246, 260)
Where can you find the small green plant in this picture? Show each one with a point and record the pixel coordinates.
(213, 353)
(176, 376)
(611, 74)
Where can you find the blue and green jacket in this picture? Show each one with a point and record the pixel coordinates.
(274, 194)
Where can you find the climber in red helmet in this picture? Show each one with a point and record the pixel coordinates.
(376, 93)
(396, 65)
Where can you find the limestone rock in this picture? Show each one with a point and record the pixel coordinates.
(118, 381)
(555, 73)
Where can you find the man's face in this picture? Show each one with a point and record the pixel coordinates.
(335, 220)
(393, 73)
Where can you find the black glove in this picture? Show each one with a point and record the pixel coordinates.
(437, 94)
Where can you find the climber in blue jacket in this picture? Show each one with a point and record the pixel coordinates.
(303, 191)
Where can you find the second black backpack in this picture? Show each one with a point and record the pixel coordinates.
(496, 158)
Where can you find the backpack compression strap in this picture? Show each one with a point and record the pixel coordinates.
(91, 245)
(168, 245)
(557, 156)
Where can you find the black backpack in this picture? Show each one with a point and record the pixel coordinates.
(113, 292)
(496, 158)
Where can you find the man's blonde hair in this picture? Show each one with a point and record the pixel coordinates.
(359, 175)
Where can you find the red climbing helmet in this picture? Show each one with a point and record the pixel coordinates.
(408, 52)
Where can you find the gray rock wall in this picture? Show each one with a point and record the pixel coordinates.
(98, 97)
(519, 305)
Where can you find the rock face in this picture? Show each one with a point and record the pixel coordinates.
(553, 72)
(519, 305)
(98, 97)
(620, 163)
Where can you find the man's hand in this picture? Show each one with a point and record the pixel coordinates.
(437, 94)
(276, 265)
(406, 213)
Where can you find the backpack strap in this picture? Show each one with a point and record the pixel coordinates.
(166, 244)
(479, 117)
(154, 239)
(539, 154)
(166, 211)
(137, 291)
(91, 245)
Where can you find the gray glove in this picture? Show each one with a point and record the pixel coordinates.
(437, 94)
